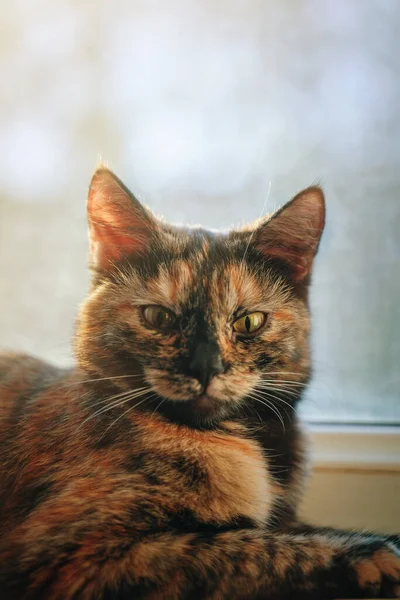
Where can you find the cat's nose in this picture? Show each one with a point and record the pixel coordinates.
(206, 363)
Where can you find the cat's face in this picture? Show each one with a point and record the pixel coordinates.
(207, 323)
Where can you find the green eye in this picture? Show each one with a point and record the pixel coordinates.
(249, 323)
(159, 317)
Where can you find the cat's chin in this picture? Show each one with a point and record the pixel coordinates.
(201, 411)
(206, 406)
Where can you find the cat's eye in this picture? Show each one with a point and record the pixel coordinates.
(159, 317)
(250, 323)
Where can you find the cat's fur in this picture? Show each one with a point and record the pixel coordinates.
(121, 479)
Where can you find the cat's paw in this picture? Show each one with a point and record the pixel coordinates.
(376, 568)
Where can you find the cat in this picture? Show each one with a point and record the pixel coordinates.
(169, 463)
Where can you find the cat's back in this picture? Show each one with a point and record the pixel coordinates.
(31, 394)
(18, 368)
(22, 377)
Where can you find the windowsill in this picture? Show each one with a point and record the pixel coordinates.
(355, 447)
(355, 481)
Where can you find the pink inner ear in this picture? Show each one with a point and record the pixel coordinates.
(293, 233)
(114, 235)
(299, 262)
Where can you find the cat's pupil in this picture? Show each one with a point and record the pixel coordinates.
(247, 323)
(161, 318)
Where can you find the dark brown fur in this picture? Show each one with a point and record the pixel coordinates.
(123, 478)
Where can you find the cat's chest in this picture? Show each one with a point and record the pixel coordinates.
(219, 477)
(238, 481)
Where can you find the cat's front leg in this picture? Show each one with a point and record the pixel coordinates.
(373, 558)
(373, 563)
(250, 564)
(305, 528)
(245, 564)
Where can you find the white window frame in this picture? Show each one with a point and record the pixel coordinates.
(363, 447)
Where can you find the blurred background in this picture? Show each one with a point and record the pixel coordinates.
(211, 111)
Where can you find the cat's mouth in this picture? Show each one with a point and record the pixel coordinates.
(205, 405)
(201, 411)
(222, 388)
(187, 400)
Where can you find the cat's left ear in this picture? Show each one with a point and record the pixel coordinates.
(119, 226)
(292, 233)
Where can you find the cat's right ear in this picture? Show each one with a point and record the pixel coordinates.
(119, 226)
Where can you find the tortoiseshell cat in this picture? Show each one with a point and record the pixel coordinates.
(169, 463)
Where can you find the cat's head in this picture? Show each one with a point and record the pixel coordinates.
(206, 323)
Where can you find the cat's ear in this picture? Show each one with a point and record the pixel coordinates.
(119, 226)
(292, 233)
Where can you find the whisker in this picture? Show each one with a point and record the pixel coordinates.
(282, 373)
(114, 405)
(122, 415)
(271, 407)
(288, 381)
(119, 395)
(128, 396)
(115, 397)
(284, 386)
(101, 379)
(267, 389)
(283, 401)
(289, 392)
(120, 403)
(278, 382)
(258, 415)
(264, 208)
(255, 428)
(158, 405)
(276, 411)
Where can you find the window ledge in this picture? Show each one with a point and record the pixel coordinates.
(355, 480)
(355, 447)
